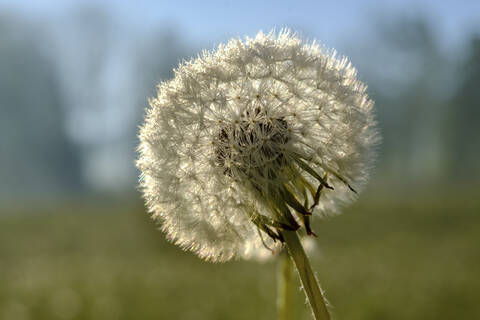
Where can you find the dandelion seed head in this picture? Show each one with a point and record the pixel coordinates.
(242, 128)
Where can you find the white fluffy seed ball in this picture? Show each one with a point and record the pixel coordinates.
(219, 134)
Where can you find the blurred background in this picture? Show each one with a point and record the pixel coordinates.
(75, 240)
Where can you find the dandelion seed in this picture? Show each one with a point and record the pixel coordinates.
(257, 137)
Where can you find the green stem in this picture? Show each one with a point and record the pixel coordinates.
(285, 288)
(309, 282)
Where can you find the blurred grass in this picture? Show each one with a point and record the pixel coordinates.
(414, 257)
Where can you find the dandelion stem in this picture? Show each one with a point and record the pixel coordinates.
(285, 288)
(309, 282)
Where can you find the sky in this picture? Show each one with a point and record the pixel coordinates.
(211, 22)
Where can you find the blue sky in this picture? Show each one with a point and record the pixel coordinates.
(332, 22)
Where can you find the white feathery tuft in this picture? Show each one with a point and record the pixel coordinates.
(235, 124)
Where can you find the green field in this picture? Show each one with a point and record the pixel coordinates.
(386, 257)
